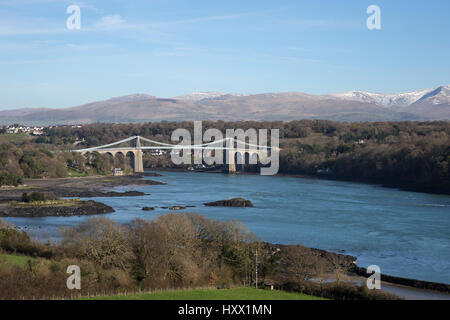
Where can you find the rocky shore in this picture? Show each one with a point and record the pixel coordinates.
(347, 266)
(420, 284)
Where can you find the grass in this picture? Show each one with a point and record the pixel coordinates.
(212, 294)
(59, 202)
(20, 187)
(14, 137)
(19, 261)
(76, 173)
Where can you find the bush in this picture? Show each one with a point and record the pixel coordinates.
(99, 240)
(33, 197)
(14, 241)
(10, 179)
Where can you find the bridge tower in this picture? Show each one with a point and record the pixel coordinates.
(229, 165)
(138, 162)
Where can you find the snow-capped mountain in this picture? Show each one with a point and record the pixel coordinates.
(402, 99)
(197, 96)
(420, 105)
(440, 95)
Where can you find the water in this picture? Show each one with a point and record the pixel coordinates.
(405, 233)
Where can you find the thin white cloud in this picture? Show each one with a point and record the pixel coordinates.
(205, 19)
(111, 21)
(89, 47)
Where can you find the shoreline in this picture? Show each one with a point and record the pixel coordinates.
(348, 264)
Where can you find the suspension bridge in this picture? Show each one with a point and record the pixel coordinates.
(232, 148)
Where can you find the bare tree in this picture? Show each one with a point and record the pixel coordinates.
(301, 262)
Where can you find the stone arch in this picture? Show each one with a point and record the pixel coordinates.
(239, 160)
(130, 157)
(253, 158)
(120, 160)
(247, 157)
(110, 159)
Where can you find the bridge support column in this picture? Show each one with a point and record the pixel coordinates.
(138, 162)
(229, 166)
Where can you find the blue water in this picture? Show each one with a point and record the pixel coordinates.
(405, 233)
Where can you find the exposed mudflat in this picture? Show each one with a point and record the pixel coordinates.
(85, 187)
(74, 208)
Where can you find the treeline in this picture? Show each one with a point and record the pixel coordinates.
(412, 155)
(30, 160)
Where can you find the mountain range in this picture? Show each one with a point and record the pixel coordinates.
(428, 104)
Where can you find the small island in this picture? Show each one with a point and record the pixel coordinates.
(235, 202)
(39, 204)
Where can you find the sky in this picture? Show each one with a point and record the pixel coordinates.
(172, 47)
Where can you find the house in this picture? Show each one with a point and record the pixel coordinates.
(157, 152)
(324, 171)
(117, 172)
(37, 131)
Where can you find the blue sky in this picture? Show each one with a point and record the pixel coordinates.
(171, 47)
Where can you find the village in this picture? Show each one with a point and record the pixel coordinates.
(16, 128)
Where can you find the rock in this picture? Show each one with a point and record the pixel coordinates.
(148, 208)
(149, 174)
(109, 194)
(177, 208)
(236, 202)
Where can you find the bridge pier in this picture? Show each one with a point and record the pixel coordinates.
(229, 165)
(138, 162)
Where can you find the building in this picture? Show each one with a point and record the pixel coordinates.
(324, 171)
(37, 131)
(117, 172)
(157, 152)
(13, 129)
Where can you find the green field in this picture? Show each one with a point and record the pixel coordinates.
(14, 137)
(74, 173)
(20, 261)
(212, 294)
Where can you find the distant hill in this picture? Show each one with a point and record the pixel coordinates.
(429, 104)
